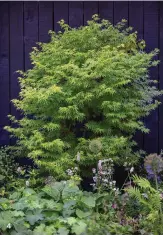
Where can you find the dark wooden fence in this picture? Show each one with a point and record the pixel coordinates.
(22, 24)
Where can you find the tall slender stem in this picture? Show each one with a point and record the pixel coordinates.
(128, 177)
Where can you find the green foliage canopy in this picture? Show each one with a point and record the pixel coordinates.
(90, 83)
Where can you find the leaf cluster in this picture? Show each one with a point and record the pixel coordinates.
(13, 175)
(150, 200)
(60, 208)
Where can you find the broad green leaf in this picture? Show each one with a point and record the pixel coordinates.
(34, 216)
(28, 192)
(6, 217)
(42, 229)
(20, 226)
(88, 201)
(34, 201)
(71, 192)
(52, 205)
(68, 212)
(58, 185)
(15, 195)
(71, 220)
(52, 192)
(50, 216)
(79, 228)
(81, 214)
(68, 208)
(21, 204)
(62, 231)
(28, 232)
(18, 213)
(69, 204)
(39, 230)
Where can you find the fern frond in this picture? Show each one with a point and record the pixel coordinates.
(143, 183)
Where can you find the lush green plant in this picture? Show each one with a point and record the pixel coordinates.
(14, 176)
(59, 208)
(9, 171)
(7, 166)
(86, 84)
(150, 199)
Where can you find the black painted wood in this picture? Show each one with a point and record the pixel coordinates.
(30, 29)
(135, 19)
(151, 35)
(4, 71)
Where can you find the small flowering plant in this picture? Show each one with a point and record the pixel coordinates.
(153, 165)
(103, 176)
(73, 174)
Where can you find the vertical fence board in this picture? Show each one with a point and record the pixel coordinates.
(106, 10)
(136, 17)
(45, 20)
(75, 14)
(120, 11)
(16, 49)
(90, 8)
(161, 77)
(4, 71)
(30, 29)
(136, 21)
(60, 13)
(151, 11)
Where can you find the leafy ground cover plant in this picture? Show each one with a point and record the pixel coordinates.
(60, 208)
(84, 97)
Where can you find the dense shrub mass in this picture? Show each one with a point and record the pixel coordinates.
(85, 96)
